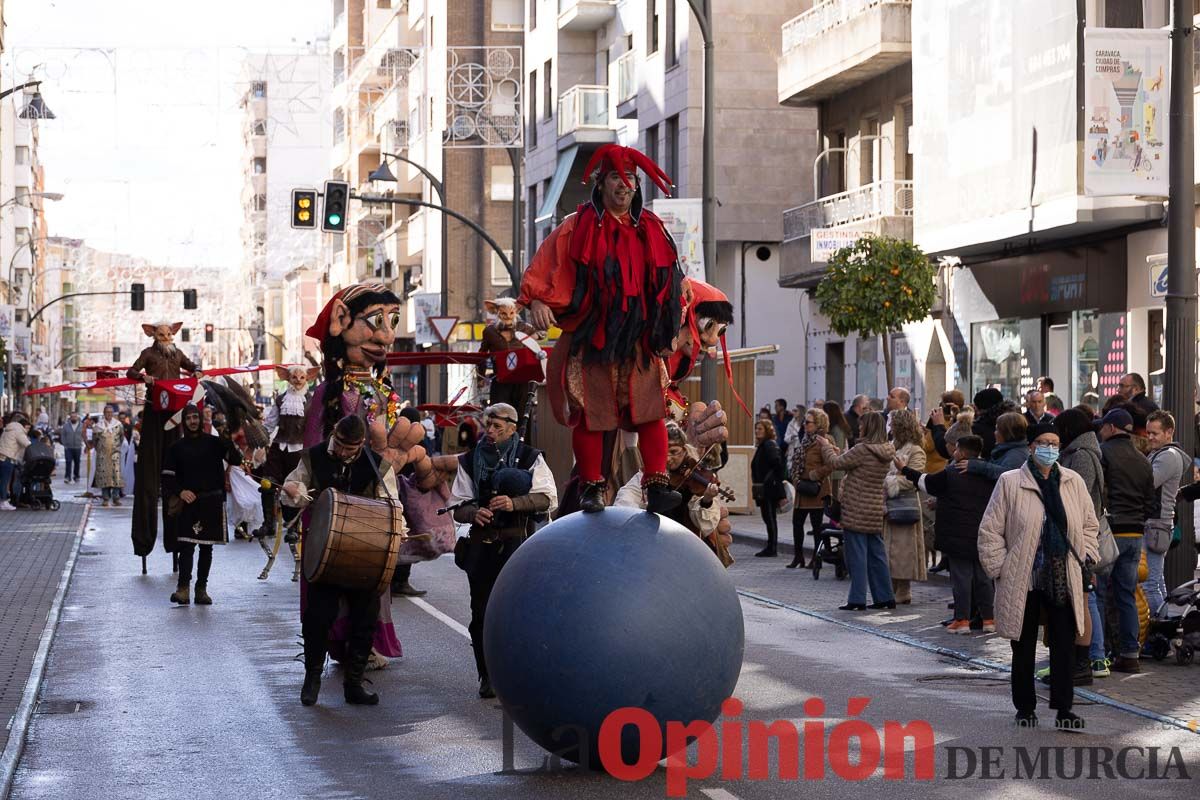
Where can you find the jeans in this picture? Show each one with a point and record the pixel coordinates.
(1155, 587)
(73, 455)
(6, 473)
(866, 558)
(1124, 580)
(111, 493)
(972, 588)
(1096, 649)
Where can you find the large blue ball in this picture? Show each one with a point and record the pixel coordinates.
(602, 611)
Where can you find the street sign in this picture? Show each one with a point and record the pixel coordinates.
(824, 242)
(443, 327)
(1157, 265)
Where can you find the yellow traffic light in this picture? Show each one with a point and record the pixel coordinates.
(303, 204)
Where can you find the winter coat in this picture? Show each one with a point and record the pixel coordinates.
(866, 466)
(767, 470)
(1128, 483)
(905, 543)
(1005, 456)
(1169, 464)
(13, 442)
(818, 464)
(1009, 536)
(1083, 456)
(962, 497)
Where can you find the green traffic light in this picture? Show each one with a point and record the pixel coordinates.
(335, 219)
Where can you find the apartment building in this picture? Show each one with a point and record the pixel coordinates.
(631, 72)
(286, 141)
(851, 62)
(436, 83)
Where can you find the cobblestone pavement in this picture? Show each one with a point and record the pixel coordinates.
(1163, 688)
(35, 546)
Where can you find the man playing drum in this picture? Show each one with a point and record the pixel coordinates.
(499, 486)
(343, 462)
(193, 479)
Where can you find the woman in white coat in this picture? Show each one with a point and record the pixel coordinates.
(1038, 529)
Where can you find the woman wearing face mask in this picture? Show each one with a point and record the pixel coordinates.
(1038, 529)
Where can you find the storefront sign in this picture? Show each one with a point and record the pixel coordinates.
(1126, 81)
(1055, 280)
(1156, 266)
(684, 220)
(8, 318)
(824, 242)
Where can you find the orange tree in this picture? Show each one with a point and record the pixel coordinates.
(874, 287)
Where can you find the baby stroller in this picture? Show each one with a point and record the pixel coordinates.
(1181, 631)
(830, 545)
(35, 476)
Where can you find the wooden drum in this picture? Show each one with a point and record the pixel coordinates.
(353, 541)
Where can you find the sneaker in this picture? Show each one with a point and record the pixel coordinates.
(1043, 674)
(959, 626)
(1100, 668)
(989, 626)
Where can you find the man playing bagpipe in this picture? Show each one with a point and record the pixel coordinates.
(501, 485)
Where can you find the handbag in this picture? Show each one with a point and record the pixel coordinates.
(904, 509)
(1158, 536)
(1108, 547)
(807, 488)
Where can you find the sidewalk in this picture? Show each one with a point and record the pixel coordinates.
(36, 548)
(1162, 687)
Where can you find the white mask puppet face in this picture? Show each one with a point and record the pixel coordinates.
(163, 333)
(505, 310)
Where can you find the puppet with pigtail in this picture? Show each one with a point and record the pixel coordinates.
(609, 276)
(357, 329)
(517, 358)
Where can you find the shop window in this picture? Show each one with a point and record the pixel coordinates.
(996, 356)
(867, 379)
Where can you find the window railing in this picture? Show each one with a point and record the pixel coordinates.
(872, 201)
(627, 85)
(582, 107)
(827, 14)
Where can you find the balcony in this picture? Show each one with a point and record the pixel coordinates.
(874, 201)
(258, 146)
(627, 85)
(839, 44)
(583, 116)
(585, 15)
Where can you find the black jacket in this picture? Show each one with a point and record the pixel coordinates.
(197, 464)
(1128, 483)
(1045, 418)
(767, 468)
(962, 497)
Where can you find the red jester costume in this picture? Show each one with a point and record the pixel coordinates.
(610, 277)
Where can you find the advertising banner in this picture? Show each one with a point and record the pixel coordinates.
(426, 305)
(824, 242)
(684, 220)
(1126, 79)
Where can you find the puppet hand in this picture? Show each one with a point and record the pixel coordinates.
(706, 424)
(401, 446)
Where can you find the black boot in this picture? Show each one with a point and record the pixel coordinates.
(352, 687)
(311, 688)
(591, 497)
(485, 688)
(660, 497)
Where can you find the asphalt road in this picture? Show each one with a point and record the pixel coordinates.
(143, 699)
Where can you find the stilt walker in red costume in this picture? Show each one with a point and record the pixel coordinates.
(610, 277)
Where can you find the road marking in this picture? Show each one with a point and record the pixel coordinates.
(718, 794)
(452, 623)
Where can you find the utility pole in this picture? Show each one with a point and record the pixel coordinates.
(702, 10)
(1180, 380)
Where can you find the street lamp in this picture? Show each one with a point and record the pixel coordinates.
(36, 108)
(702, 9)
(55, 196)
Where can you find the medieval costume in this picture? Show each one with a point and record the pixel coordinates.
(107, 438)
(346, 464)
(613, 281)
(160, 361)
(496, 469)
(196, 464)
(286, 422)
(509, 337)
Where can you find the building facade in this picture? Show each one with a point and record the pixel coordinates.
(632, 73)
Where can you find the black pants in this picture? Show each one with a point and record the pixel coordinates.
(187, 551)
(482, 562)
(321, 610)
(1060, 632)
(771, 520)
(814, 516)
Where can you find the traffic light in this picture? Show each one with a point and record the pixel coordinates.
(137, 297)
(189, 299)
(304, 208)
(116, 355)
(337, 200)
(208, 332)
